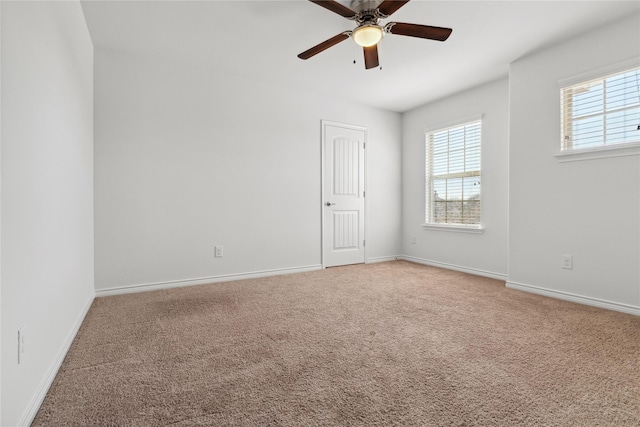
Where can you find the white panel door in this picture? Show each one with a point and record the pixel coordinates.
(343, 198)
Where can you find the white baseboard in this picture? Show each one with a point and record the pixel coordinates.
(37, 399)
(580, 299)
(203, 280)
(382, 259)
(477, 272)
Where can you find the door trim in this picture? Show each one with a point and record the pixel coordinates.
(324, 124)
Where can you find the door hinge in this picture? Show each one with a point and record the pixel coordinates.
(364, 193)
(364, 145)
(364, 243)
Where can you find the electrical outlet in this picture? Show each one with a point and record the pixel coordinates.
(219, 251)
(413, 240)
(22, 343)
(566, 262)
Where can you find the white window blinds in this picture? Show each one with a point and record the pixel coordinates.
(601, 112)
(453, 166)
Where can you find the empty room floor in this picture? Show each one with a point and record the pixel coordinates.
(393, 343)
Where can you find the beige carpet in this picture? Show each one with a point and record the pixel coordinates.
(367, 345)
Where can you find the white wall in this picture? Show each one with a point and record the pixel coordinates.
(588, 209)
(186, 159)
(47, 193)
(485, 253)
(0, 215)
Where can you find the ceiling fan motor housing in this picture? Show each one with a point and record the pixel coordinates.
(362, 5)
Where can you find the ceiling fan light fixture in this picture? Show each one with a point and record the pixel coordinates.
(367, 35)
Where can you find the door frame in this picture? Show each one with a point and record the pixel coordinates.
(324, 124)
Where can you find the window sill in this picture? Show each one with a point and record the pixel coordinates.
(474, 229)
(620, 150)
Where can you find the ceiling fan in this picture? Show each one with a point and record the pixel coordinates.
(369, 31)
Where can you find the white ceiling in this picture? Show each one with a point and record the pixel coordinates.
(259, 40)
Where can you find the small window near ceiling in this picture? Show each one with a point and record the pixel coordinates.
(601, 113)
(453, 169)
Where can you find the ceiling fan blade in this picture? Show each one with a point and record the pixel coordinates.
(416, 30)
(324, 45)
(371, 57)
(335, 7)
(390, 6)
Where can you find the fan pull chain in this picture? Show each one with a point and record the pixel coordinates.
(353, 51)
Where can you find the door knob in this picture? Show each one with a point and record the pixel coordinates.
(330, 204)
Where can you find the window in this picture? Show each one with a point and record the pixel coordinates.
(453, 176)
(602, 112)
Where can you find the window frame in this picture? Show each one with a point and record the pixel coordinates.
(428, 205)
(564, 154)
